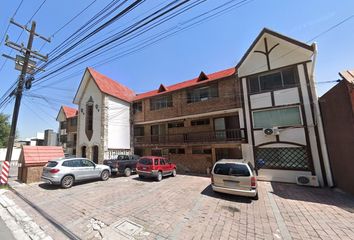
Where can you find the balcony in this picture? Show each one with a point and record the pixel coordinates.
(222, 136)
(71, 144)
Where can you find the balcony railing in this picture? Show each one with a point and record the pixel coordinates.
(194, 137)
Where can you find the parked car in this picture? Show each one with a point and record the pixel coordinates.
(66, 171)
(123, 164)
(234, 176)
(155, 167)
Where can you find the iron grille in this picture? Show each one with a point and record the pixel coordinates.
(295, 158)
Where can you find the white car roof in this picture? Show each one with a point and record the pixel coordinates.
(241, 160)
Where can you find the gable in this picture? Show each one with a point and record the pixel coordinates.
(61, 115)
(270, 51)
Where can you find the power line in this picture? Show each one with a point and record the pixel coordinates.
(8, 25)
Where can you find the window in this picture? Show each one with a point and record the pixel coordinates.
(200, 122)
(175, 125)
(89, 118)
(272, 81)
(51, 164)
(232, 169)
(161, 102)
(202, 93)
(280, 117)
(87, 163)
(162, 162)
(139, 131)
(139, 151)
(73, 121)
(137, 107)
(67, 164)
(156, 161)
(176, 151)
(145, 161)
(63, 125)
(201, 151)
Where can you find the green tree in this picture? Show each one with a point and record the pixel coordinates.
(4, 129)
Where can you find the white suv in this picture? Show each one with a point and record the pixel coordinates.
(234, 176)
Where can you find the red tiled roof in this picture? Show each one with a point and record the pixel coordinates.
(39, 155)
(111, 87)
(69, 112)
(189, 83)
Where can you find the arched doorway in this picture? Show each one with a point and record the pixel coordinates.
(83, 151)
(95, 154)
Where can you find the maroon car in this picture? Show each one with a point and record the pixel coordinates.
(155, 167)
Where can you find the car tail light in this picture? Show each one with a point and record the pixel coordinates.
(253, 182)
(212, 179)
(54, 170)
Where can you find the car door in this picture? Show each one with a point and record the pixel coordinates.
(89, 169)
(76, 168)
(164, 167)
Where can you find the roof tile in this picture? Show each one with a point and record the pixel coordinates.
(40, 154)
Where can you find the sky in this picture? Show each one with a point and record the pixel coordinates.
(212, 45)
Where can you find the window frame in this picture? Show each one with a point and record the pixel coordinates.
(194, 95)
(161, 102)
(275, 109)
(137, 107)
(283, 86)
(204, 121)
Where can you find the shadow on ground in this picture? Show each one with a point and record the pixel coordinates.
(208, 191)
(316, 195)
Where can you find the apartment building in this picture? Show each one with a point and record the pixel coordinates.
(67, 118)
(193, 123)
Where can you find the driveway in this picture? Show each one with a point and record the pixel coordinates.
(185, 207)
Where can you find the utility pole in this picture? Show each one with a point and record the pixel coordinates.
(26, 65)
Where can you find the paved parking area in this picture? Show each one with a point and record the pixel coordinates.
(185, 207)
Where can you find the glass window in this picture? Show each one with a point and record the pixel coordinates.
(87, 163)
(202, 93)
(201, 151)
(175, 125)
(283, 78)
(232, 169)
(73, 121)
(277, 117)
(161, 102)
(156, 161)
(176, 151)
(139, 131)
(162, 162)
(137, 107)
(52, 164)
(89, 117)
(145, 161)
(76, 163)
(200, 122)
(63, 125)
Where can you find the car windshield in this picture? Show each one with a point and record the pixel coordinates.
(123, 157)
(51, 164)
(145, 161)
(232, 169)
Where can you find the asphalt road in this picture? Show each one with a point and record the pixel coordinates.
(5, 233)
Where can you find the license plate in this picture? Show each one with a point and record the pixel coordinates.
(144, 168)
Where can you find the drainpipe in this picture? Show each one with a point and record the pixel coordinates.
(318, 120)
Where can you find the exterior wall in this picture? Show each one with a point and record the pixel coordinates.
(338, 120)
(283, 54)
(118, 124)
(91, 90)
(227, 100)
(30, 174)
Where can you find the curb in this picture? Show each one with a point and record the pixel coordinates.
(21, 225)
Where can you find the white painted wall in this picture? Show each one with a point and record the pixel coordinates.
(261, 100)
(281, 175)
(283, 55)
(286, 96)
(90, 91)
(118, 123)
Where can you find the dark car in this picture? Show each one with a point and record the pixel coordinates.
(122, 164)
(155, 167)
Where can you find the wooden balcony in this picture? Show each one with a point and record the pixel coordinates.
(222, 136)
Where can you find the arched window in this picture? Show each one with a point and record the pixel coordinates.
(95, 154)
(89, 119)
(83, 151)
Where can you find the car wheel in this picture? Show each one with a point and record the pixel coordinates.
(105, 175)
(174, 173)
(159, 176)
(255, 197)
(67, 181)
(127, 172)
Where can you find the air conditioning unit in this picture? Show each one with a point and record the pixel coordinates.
(307, 181)
(271, 131)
